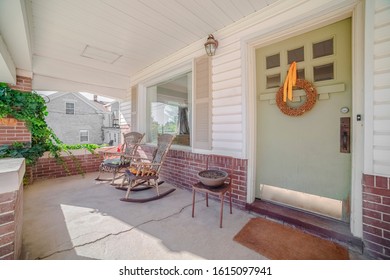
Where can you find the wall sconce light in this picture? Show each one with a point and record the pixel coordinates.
(211, 45)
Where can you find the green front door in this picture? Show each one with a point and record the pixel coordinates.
(305, 156)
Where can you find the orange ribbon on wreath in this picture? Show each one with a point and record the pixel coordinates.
(289, 82)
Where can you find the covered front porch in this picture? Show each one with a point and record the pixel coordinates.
(70, 54)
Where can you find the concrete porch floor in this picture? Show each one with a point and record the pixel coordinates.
(79, 218)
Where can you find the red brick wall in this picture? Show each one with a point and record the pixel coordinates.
(11, 221)
(17, 132)
(181, 167)
(22, 84)
(48, 167)
(376, 215)
(11, 204)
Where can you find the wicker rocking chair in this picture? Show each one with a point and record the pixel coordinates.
(116, 162)
(144, 175)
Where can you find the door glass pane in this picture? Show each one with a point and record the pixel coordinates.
(301, 74)
(323, 72)
(273, 61)
(295, 55)
(323, 48)
(273, 81)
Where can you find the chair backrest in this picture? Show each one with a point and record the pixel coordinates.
(164, 142)
(131, 142)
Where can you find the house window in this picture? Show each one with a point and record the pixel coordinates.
(84, 136)
(169, 111)
(69, 109)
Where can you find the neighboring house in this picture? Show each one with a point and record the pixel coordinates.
(76, 119)
(111, 128)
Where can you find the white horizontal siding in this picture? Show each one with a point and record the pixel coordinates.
(229, 92)
(382, 139)
(227, 66)
(228, 137)
(125, 113)
(226, 84)
(228, 101)
(227, 120)
(227, 110)
(381, 106)
(382, 48)
(381, 96)
(382, 65)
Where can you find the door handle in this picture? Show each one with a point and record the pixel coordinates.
(345, 129)
(345, 137)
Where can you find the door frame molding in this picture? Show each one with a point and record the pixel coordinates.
(252, 42)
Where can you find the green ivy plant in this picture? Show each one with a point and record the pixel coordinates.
(31, 108)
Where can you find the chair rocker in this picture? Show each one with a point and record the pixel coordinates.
(144, 175)
(116, 162)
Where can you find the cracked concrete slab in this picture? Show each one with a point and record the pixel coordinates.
(78, 218)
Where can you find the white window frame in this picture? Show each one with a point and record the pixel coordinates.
(83, 131)
(66, 108)
(167, 100)
(141, 100)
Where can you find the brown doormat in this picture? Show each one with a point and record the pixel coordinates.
(280, 242)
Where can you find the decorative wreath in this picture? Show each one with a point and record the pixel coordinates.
(311, 98)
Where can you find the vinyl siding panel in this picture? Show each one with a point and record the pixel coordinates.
(381, 106)
(125, 113)
(227, 125)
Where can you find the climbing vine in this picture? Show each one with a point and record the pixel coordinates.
(31, 108)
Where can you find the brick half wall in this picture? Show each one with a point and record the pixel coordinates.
(376, 215)
(11, 208)
(180, 169)
(48, 167)
(11, 221)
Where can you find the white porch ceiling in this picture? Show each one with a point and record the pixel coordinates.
(96, 45)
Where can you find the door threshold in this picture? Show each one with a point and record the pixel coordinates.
(324, 227)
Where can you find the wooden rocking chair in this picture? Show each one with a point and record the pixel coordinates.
(115, 162)
(147, 172)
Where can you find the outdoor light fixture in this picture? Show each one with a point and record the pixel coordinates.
(211, 45)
